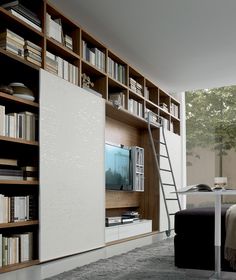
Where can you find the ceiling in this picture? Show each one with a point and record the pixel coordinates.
(180, 44)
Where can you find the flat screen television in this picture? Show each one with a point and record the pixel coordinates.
(118, 167)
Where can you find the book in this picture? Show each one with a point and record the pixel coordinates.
(15, 13)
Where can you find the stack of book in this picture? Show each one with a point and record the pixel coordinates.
(16, 248)
(30, 173)
(164, 106)
(94, 56)
(12, 42)
(11, 174)
(153, 118)
(51, 63)
(9, 170)
(117, 99)
(33, 53)
(135, 86)
(68, 42)
(23, 13)
(129, 217)
(132, 84)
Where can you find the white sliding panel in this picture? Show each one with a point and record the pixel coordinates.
(72, 183)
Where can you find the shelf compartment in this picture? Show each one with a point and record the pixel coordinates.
(175, 109)
(123, 199)
(123, 115)
(165, 118)
(60, 50)
(96, 77)
(117, 94)
(151, 92)
(164, 100)
(117, 68)
(19, 224)
(70, 32)
(93, 52)
(16, 102)
(175, 126)
(136, 104)
(136, 81)
(19, 26)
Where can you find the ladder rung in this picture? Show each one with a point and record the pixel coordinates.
(168, 184)
(171, 199)
(157, 141)
(167, 170)
(162, 156)
(171, 214)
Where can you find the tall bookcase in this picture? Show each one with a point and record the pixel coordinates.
(69, 51)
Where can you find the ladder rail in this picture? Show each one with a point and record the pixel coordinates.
(172, 173)
(158, 169)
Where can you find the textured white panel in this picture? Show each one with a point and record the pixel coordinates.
(72, 193)
(174, 147)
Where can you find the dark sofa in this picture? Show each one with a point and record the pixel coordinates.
(194, 239)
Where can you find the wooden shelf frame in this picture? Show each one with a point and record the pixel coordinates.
(103, 83)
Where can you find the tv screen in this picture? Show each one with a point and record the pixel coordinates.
(118, 167)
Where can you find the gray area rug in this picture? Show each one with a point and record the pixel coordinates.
(155, 261)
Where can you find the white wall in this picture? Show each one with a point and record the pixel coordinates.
(72, 192)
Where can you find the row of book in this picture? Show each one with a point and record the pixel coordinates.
(16, 44)
(117, 99)
(138, 168)
(138, 183)
(62, 68)
(135, 86)
(17, 208)
(116, 70)
(16, 248)
(94, 56)
(16, 8)
(54, 29)
(174, 110)
(135, 107)
(27, 173)
(23, 125)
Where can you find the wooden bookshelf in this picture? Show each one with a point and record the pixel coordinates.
(122, 126)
